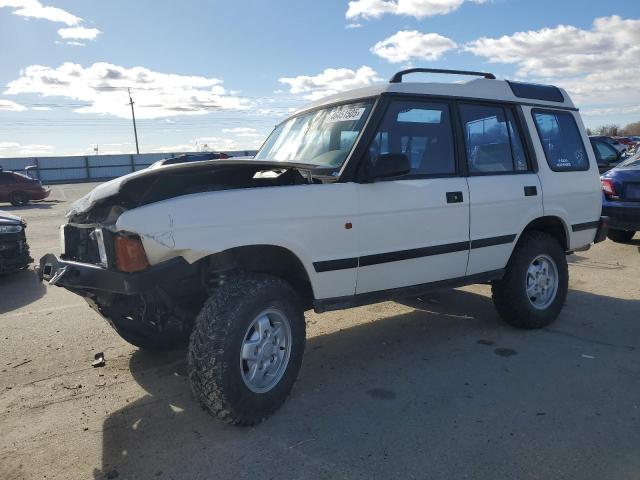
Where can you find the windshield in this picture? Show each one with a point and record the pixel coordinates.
(322, 137)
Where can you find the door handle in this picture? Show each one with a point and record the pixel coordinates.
(454, 197)
(530, 191)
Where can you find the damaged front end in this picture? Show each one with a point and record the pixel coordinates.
(14, 250)
(150, 304)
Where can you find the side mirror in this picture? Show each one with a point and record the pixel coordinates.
(388, 165)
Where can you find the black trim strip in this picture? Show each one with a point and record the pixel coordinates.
(379, 258)
(331, 265)
(578, 227)
(490, 242)
(367, 298)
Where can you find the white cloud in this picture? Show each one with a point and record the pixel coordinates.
(77, 44)
(79, 33)
(622, 110)
(239, 130)
(103, 87)
(41, 109)
(15, 149)
(209, 144)
(330, 81)
(414, 8)
(35, 9)
(9, 106)
(353, 25)
(407, 45)
(596, 66)
(244, 132)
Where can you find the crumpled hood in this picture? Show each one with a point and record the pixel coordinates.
(7, 218)
(115, 186)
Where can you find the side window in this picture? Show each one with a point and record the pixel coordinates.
(561, 141)
(606, 153)
(492, 139)
(421, 131)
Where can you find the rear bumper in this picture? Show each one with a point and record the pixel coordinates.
(39, 194)
(623, 218)
(84, 276)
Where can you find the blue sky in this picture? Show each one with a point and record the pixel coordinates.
(224, 73)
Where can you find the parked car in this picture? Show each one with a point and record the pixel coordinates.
(14, 250)
(621, 147)
(606, 156)
(625, 141)
(19, 189)
(621, 199)
(190, 157)
(369, 195)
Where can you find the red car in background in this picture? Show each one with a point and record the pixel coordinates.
(20, 189)
(626, 141)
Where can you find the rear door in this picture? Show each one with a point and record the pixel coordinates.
(414, 229)
(504, 191)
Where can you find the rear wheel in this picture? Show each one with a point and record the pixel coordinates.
(534, 288)
(246, 348)
(19, 198)
(621, 236)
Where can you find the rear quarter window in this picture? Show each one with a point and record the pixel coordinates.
(561, 141)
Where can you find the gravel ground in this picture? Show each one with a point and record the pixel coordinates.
(435, 387)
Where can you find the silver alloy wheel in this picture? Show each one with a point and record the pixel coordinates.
(542, 281)
(265, 351)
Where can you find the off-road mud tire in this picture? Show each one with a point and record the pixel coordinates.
(214, 350)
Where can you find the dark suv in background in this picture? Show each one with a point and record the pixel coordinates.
(14, 251)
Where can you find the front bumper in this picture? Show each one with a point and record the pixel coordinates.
(84, 276)
(14, 252)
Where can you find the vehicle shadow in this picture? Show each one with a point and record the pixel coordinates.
(428, 393)
(43, 205)
(19, 289)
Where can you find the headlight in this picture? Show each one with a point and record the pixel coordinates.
(10, 228)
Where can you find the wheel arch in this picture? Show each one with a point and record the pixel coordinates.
(552, 225)
(264, 258)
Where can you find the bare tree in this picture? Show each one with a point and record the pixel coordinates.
(632, 129)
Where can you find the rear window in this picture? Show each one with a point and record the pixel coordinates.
(535, 91)
(561, 140)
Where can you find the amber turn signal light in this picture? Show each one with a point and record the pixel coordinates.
(130, 255)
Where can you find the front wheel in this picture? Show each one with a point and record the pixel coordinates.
(19, 198)
(246, 348)
(621, 236)
(534, 287)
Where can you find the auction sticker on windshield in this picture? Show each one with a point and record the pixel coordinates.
(345, 114)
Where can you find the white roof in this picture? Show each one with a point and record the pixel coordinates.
(480, 88)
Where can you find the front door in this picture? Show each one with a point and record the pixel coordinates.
(413, 229)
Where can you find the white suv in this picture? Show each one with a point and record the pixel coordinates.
(369, 195)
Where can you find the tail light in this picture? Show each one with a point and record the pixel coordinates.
(608, 188)
(130, 254)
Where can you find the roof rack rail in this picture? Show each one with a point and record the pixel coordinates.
(397, 78)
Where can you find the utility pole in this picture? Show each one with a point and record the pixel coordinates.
(133, 115)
